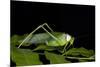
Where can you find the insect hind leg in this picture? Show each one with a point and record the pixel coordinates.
(28, 37)
(45, 24)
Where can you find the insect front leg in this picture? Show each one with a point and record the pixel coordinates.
(71, 42)
(64, 49)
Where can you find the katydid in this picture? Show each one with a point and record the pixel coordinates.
(51, 38)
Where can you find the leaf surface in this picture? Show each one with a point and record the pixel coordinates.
(24, 57)
(44, 47)
(55, 58)
(17, 39)
(79, 51)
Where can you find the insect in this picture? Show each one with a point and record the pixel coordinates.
(52, 38)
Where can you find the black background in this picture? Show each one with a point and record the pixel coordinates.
(76, 20)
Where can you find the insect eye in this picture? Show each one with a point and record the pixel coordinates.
(68, 37)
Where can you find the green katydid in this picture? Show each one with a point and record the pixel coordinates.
(51, 38)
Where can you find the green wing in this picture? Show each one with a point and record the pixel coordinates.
(45, 37)
(39, 38)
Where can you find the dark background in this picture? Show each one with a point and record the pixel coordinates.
(76, 20)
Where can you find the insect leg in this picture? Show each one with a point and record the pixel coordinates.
(48, 26)
(72, 40)
(41, 26)
(71, 43)
(64, 48)
(30, 35)
(50, 33)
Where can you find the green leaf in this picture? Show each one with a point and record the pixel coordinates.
(84, 60)
(79, 51)
(55, 59)
(86, 53)
(24, 57)
(44, 47)
(92, 58)
(17, 39)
